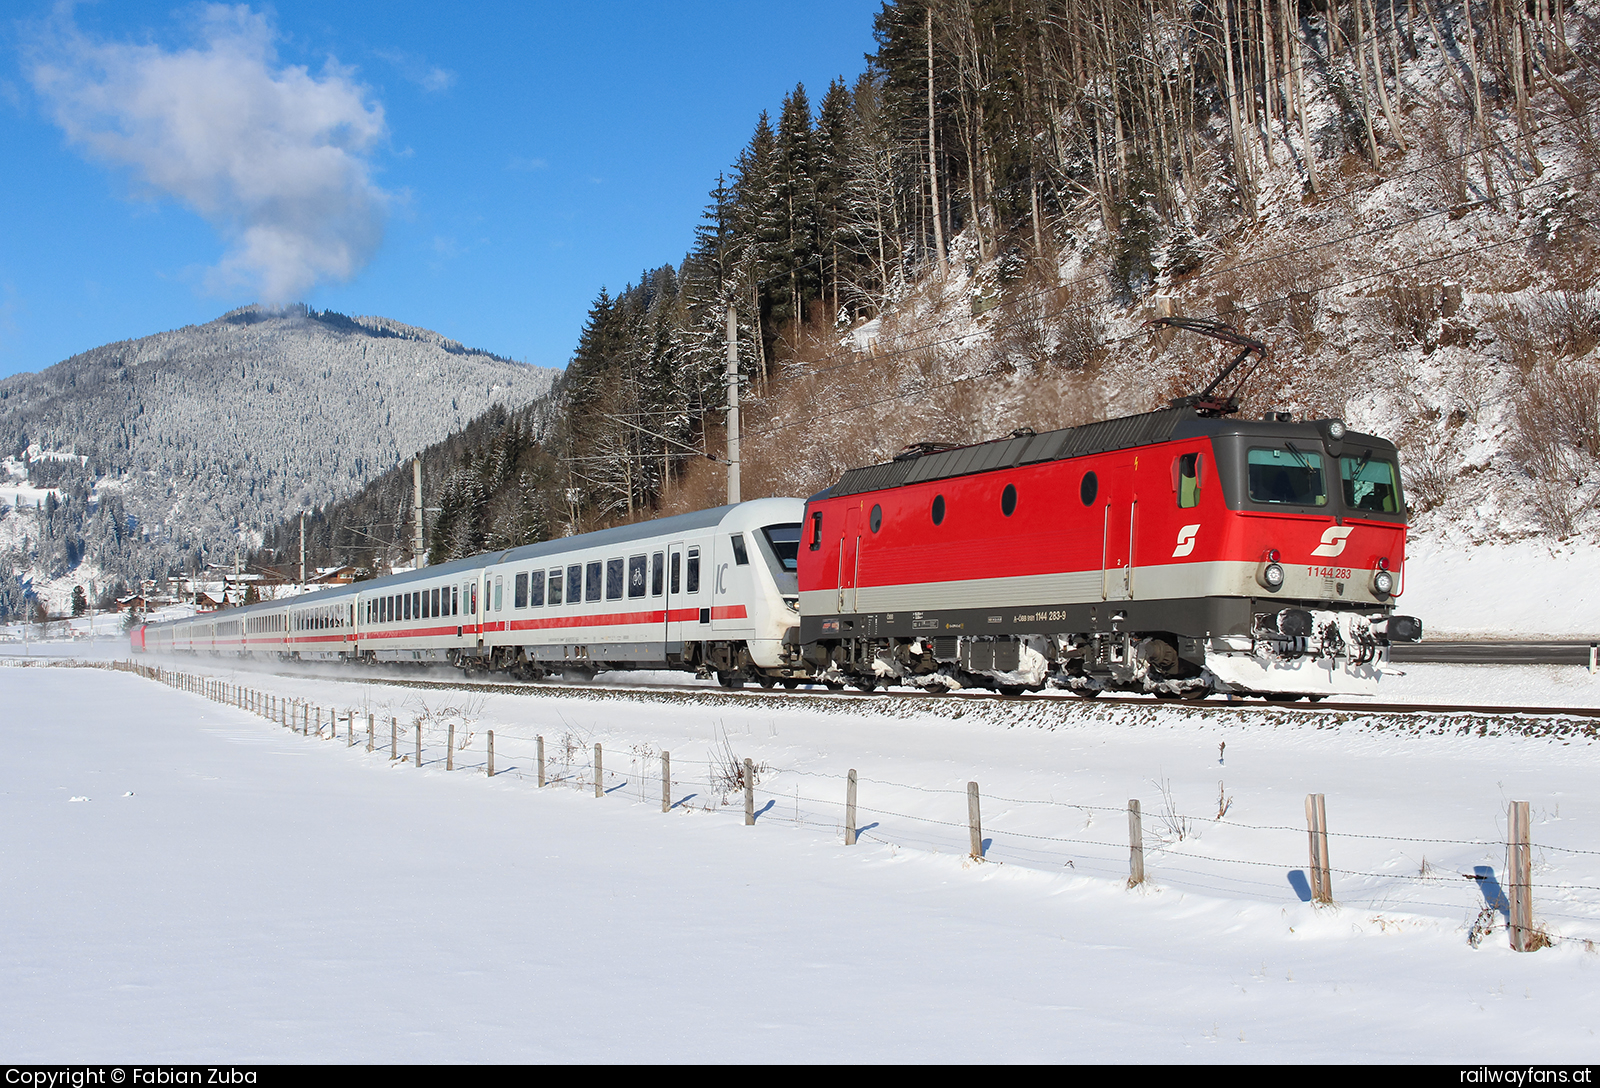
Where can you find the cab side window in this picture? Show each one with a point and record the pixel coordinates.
(1187, 471)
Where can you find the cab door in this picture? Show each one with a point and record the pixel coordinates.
(849, 559)
(1117, 515)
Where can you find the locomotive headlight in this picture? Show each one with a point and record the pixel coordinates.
(1336, 429)
(1382, 583)
(1272, 576)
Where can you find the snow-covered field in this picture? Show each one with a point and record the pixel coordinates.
(185, 880)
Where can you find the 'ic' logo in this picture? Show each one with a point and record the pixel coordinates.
(1186, 538)
(1333, 541)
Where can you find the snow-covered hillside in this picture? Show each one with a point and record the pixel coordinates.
(134, 456)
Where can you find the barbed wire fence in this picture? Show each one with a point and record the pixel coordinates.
(1162, 843)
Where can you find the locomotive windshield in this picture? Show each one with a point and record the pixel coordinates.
(1288, 475)
(1370, 483)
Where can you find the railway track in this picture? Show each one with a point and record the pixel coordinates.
(752, 695)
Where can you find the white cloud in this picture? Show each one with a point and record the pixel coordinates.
(270, 154)
(429, 77)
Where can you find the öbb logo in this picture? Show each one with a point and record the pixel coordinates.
(1186, 539)
(1333, 541)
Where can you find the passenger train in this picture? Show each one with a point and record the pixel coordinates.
(1175, 553)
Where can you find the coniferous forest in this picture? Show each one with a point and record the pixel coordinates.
(1396, 194)
(1011, 187)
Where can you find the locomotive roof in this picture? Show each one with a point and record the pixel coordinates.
(1105, 436)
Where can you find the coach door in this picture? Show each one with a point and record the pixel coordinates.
(850, 559)
(674, 600)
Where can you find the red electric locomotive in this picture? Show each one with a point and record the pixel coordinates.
(1176, 552)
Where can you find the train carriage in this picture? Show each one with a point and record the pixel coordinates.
(712, 592)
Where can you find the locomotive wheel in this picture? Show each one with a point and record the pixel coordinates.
(767, 681)
(1011, 691)
(730, 680)
(790, 684)
(1086, 693)
(864, 685)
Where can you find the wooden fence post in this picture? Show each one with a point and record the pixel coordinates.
(599, 784)
(349, 729)
(749, 794)
(1135, 844)
(450, 749)
(369, 731)
(541, 761)
(666, 781)
(491, 753)
(1519, 873)
(974, 820)
(394, 739)
(419, 745)
(1317, 825)
(850, 808)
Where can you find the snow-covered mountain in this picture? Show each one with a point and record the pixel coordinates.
(134, 456)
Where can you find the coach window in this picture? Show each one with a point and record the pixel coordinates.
(740, 556)
(613, 579)
(536, 588)
(416, 605)
(636, 565)
(1008, 500)
(1187, 470)
(875, 519)
(657, 567)
(521, 594)
(694, 571)
(1089, 488)
(499, 591)
(434, 603)
(555, 586)
(405, 606)
(938, 509)
(575, 583)
(429, 605)
(677, 586)
(455, 601)
(591, 581)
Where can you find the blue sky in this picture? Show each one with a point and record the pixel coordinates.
(481, 170)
